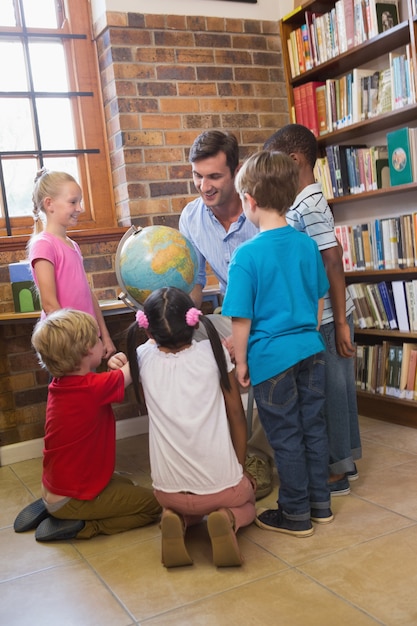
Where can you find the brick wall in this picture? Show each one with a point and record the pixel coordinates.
(167, 78)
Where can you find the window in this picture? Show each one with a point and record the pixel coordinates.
(50, 109)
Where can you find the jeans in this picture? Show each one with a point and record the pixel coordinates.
(290, 409)
(340, 406)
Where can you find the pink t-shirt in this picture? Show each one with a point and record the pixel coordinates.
(72, 288)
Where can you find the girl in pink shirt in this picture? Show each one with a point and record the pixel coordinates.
(56, 260)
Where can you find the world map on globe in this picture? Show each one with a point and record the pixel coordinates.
(153, 257)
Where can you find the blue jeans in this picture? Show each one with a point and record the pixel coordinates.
(290, 410)
(340, 406)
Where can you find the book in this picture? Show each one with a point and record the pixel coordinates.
(377, 319)
(382, 368)
(354, 294)
(394, 370)
(404, 368)
(411, 374)
(410, 296)
(387, 15)
(310, 113)
(349, 23)
(399, 157)
(322, 114)
(380, 306)
(388, 303)
(400, 301)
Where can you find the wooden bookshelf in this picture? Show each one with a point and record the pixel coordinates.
(353, 208)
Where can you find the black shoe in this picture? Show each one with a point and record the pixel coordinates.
(272, 519)
(340, 487)
(30, 517)
(321, 516)
(353, 474)
(52, 529)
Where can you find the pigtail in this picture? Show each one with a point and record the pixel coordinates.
(217, 347)
(134, 339)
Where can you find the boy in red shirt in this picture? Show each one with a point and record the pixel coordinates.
(81, 496)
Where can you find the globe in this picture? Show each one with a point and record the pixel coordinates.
(153, 257)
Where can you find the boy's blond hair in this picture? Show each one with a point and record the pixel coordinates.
(62, 339)
(271, 178)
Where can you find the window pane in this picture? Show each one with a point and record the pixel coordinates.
(40, 13)
(7, 16)
(12, 73)
(19, 176)
(16, 131)
(55, 123)
(65, 164)
(50, 75)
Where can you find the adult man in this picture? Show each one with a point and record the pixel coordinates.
(215, 224)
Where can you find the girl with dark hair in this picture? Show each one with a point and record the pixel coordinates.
(197, 426)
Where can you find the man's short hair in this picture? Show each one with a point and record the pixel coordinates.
(211, 142)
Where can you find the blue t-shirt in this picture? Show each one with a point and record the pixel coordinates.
(276, 280)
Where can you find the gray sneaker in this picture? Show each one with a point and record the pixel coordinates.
(260, 467)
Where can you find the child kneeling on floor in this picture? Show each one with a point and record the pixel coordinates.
(197, 426)
(81, 496)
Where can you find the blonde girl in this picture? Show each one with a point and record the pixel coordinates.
(56, 260)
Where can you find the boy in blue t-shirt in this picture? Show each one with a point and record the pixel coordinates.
(274, 295)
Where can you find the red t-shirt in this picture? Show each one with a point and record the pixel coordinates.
(80, 433)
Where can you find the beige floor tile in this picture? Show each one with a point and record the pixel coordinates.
(356, 521)
(129, 540)
(288, 598)
(395, 489)
(380, 576)
(377, 457)
(14, 496)
(393, 436)
(147, 588)
(21, 554)
(66, 596)
(30, 473)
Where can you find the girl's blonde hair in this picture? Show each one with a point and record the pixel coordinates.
(47, 184)
(62, 339)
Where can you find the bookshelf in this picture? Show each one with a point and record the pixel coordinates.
(363, 207)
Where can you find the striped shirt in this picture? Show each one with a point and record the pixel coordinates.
(311, 214)
(211, 241)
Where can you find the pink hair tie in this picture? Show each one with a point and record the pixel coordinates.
(142, 319)
(192, 316)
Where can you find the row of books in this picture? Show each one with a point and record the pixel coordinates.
(382, 244)
(387, 369)
(349, 23)
(327, 106)
(347, 170)
(387, 305)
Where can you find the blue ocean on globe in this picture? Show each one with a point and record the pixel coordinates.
(154, 257)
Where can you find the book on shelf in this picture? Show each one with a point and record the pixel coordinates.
(400, 157)
(387, 15)
(400, 301)
(322, 114)
(410, 387)
(410, 287)
(309, 101)
(382, 368)
(406, 370)
(348, 10)
(392, 387)
(385, 291)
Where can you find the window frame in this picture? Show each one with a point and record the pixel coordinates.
(89, 125)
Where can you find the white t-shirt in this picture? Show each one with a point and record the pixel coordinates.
(189, 439)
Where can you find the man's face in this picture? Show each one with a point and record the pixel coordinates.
(214, 181)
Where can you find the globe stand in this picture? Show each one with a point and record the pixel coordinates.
(133, 230)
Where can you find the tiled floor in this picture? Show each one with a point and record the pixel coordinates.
(360, 570)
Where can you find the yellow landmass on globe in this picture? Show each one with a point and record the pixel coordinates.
(174, 254)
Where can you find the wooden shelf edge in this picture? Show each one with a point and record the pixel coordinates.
(388, 409)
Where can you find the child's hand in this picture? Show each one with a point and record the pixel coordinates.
(242, 375)
(117, 361)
